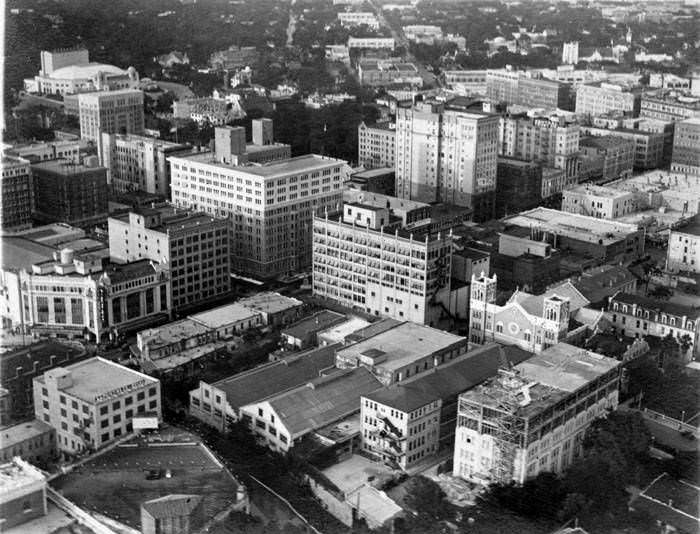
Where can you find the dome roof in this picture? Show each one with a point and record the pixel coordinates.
(88, 71)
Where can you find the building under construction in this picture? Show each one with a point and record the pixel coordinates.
(532, 418)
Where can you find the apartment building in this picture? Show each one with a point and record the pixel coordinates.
(648, 146)
(602, 97)
(598, 201)
(551, 140)
(138, 163)
(447, 155)
(616, 154)
(532, 418)
(271, 205)
(409, 422)
(683, 252)
(376, 145)
(119, 111)
(637, 316)
(93, 402)
(194, 247)
(70, 192)
(366, 258)
(686, 147)
(17, 191)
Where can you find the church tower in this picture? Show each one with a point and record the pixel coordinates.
(483, 293)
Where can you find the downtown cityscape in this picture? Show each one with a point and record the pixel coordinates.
(350, 266)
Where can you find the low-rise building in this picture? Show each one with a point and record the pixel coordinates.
(402, 351)
(93, 402)
(302, 334)
(380, 180)
(683, 251)
(598, 201)
(532, 418)
(358, 18)
(43, 150)
(376, 43)
(219, 404)
(172, 514)
(600, 283)
(637, 316)
(406, 423)
(22, 493)
(33, 441)
(274, 309)
(376, 73)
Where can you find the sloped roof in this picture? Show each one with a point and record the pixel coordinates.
(448, 380)
(274, 378)
(78, 72)
(172, 505)
(534, 304)
(323, 400)
(659, 306)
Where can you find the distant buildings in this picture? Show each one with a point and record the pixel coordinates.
(173, 58)
(17, 191)
(22, 494)
(33, 441)
(599, 98)
(445, 154)
(271, 205)
(569, 53)
(683, 252)
(69, 71)
(206, 110)
(376, 43)
(686, 147)
(119, 111)
(383, 72)
(376, 145)
(235, 57)
(668, 105)
(42, 150)
(185, 243)
(466, 82)
(138, 163)
(532, 418)
(70, 192)
(93, 402)
(386, 270)
(637, 316)
(358, 18)
(529, 89)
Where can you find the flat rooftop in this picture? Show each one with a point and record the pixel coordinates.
(660, 181)
(12, 435)
(566, 367)
(372, 173)
(273, 169)
(693, 227)
(605, 141)
(269, 302)
(597, 190)
(94, 378)
(317, 322)
(16, 474)
(65, 167)
(21, 253)
(572, 225)
(173, 333)
(224, 315)
(337, 333)
(403, 344)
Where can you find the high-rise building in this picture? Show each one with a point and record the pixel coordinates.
(70, 192)
(600, 98)
(138, 163)
(686, 147)
(532, 418)
(447, 154)
(119, 111)
(518, 185)
(569, 54)
(550, 140)
(195, 246)
(386, 270)
(271, 205)
(535, 92)
(93, 402)
(376, 145)
(17, 191)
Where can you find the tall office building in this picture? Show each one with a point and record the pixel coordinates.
(17, 194)
(599, 98)
(195, 246)
(551, 140)
(138, 163)
(447, 154)
(119, 111)
(686, 147)
(368, 257)
(69, 192)
(376, 145)
(271, 205)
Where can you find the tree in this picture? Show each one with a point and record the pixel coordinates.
(660, 292)
(426, 498)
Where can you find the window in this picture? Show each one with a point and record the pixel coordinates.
(116, 405)
(103, 410)
(152, 392)
(153, 404)
(117, 418)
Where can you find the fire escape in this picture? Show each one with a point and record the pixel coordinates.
(389, 442)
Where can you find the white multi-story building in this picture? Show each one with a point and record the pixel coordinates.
(93, 402)
(378, 43)
(119, 111)
(569, 53)
(532, 418)
(683, 253)
(686, 147)
(359, 18)
(366, 258)
(43, 150)
(552, 141)
(138, 163)
(376, 145)
(271, 205)
(448, 155)
(466, 82)
(598, 201)
(600, 98)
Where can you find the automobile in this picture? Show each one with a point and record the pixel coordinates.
(154, 474)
